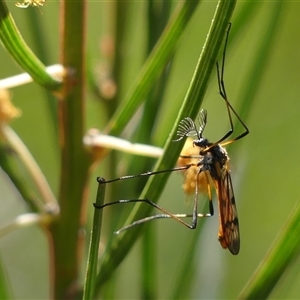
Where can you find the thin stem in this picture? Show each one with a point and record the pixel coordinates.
(24, 78)
(16, 46)
(67, 241)
(91, 271)
(49, 202)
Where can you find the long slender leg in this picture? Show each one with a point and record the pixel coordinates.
(166, 214)
(223, 94)
(148, 173)
(222, 91)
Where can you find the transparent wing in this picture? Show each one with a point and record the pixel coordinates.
(186, 127)
(202, 119)
(229, 235)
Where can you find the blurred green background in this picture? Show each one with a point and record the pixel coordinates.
(265, 165)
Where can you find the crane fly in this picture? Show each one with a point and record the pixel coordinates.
(205, 165)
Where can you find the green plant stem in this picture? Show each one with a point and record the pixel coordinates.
(67, 240)
(148, 262)
(92, 263)
(5, 291)
(12, 144)
(16, 46)
(9, 165)
(37, 30)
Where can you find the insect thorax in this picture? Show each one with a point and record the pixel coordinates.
(214, 158)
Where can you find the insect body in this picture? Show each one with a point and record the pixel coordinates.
(210, 167)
